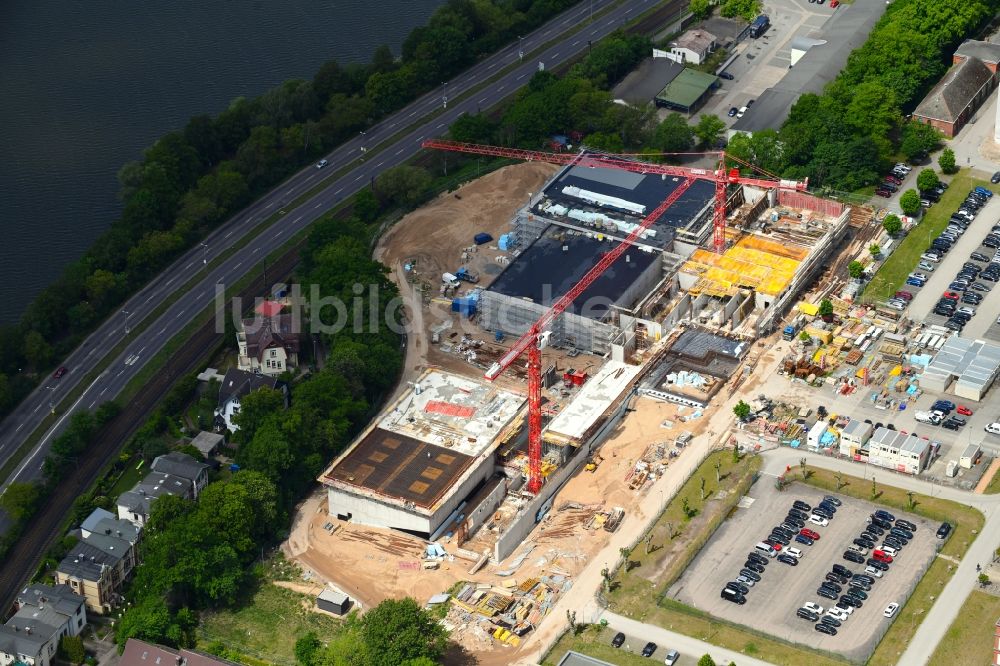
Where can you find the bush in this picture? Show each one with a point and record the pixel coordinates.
(947, 161)
(909, 202)
(856, 269)
(892, 224)
(927, 179)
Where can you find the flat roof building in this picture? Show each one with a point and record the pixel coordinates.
(688, 91)
(430, 451)
(965, 367)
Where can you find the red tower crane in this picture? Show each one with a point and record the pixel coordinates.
(536, 337)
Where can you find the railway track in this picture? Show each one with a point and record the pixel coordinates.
(46, 526)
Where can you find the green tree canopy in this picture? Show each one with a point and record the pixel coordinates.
(892, 224)
(708, 130)
(673, 135)
(918, 139)
(856, 269)
(825, 308)
(397, 631)
(742, 410)
(706, 660)
(927, 179)
(947, 161)
(909, 202)
(20, 500)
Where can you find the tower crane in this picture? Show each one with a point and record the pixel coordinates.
(537, 336)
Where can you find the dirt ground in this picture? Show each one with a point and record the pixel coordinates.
(433, 239)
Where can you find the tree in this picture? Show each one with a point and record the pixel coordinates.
(919, 139)
(856, 269)
(702, 489)
(706, 660)
(803, 463)
(700, 8)
(397, 631)
(306, 648)
(875, 250)
(947, 161)
(37, 351)
(406, 186)
(71, 649)
(20, 500)
(673, 135)
(736, 453)
(805, 337)
(825, 308)
(718, 471)
(748, 9)
(708, 130)
(840, 480)
(742, 410)
(927, 179)
(892, 224)
(909, 202)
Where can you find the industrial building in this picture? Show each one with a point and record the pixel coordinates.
(903, 452)
(430, 454)
(964, 367)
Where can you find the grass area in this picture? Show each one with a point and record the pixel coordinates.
(134, 471)
(969, 638)
(994, 486)
(268, 625)
(967, 521)
(891, 276)
(595, 641)
(676, 538)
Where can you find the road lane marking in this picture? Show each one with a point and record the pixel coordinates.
(162, 331)
(36, 408)
(439, 126)
(576, 42)
(238, 264)
(317, 206)
(94, 402)
(280, 231)
(342, 189)
(19, 428)
(189, 265)
(482, 100)
(397, 152)
(229, 234)
(412, 113)
(520, 77)
(148, 299)
(171, 280)
(256, 250)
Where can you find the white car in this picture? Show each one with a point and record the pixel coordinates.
(918, 276)
(672, 657)
(742, 111)
(891, 609)
(837, 613)
(930, 257)
(889, 550)
(749, 582)
(873, 572)
(967, 310)
(814, 607)
(863, 552)
(796, 553)
(993, 428)
(926, 266)
(846, 611)
(905, 167)
(321, 164)
(818, 520)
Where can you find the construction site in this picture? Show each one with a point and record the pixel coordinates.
(553, 372)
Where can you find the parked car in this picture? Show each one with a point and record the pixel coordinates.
(945, 529)
(733, 111)
(672, 655)
(818, 520)
(804, 540)
(826, 594)
(649, 649)
(812, 534)
(826, 629)
(878, 564)
(785, 558)
(801, 506)
(841, 569)
(872, 571)
(618, 640)
(907, 525)
(851, 556)
(752, 575)
(891, 609)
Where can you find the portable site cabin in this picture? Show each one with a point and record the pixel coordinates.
(815, 434)
(333, 602)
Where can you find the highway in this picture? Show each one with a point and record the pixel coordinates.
(365, 157)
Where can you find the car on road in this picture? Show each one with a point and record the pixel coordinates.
(648, 649)
(891, 609)
(672, 657)
(618, 640)
(60, 371)
(818, 520)
(321, 164)
(733, 111)
(826, 629)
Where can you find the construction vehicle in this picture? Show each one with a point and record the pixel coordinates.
(594, 462)
(536, 338)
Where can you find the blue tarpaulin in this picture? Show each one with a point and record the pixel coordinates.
(482, 238)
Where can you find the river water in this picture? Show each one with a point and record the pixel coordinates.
(85, 86)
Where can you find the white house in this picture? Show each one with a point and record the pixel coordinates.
(693, 46)
(237, 384)
(44, 615)
(268, 344)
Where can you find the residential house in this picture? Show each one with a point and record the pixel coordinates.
(184, 466)
(988, 52)
(269, 345)
(141, 653)
(135, 504)
(237, 384)
(957, 96)
(694, 46)
(97, 567)
(207, 443)
(44, 615)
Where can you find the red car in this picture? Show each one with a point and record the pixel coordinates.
(834, 4)
(882, 192)
(895, 180)
(806, 532)
(951, 296)
(964, 411)
(882, 556)
(773, 544)
(60, 371)
(905, 295)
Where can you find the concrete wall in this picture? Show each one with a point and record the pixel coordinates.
(681, 311)
(481, 514)
(521, 526)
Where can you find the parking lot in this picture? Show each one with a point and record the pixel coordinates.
(983, 323)
(771, 604)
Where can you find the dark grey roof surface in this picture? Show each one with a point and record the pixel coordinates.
(240, 383)
(179, 464)
(698, 343)
(644, 82)
(544, 272)
(955, 91)
(974, 48)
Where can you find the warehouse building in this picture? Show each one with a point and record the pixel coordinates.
(420, 466)
(966, 368)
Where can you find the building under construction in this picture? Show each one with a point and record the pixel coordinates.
(429, 459)
(776, 241)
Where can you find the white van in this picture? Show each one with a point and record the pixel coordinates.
(767, 549)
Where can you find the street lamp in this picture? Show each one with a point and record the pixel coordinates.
(204, 256)
(363, 149)
(126, 313)
(520, 48)
(444, 97)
